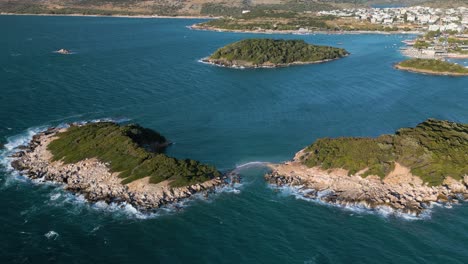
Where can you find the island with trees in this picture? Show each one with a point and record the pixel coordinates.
(270, 53)
(109, 162)
(406, 171)
(433, 67)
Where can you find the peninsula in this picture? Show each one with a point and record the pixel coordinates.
(108, 162)
(433, 67)
(271, 53)
(406, 171)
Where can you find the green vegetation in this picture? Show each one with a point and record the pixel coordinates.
(434, 66)
(455, 45)
(131, 150)
(432, 150)
(260, 51)
(195, 7)
(261, 20)
(432, 34)
(269, 20)
(421, 44)
(91, 7)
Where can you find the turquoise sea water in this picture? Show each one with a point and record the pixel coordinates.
(147, 71)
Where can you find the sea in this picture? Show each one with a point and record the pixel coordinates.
(148, 71)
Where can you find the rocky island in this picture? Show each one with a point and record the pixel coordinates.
(109, 162)
(432, 67)
(271, 53)
(63, 51)
(406, 171)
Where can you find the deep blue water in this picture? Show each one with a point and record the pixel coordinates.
(147, 71)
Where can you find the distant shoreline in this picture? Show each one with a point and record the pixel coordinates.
(195, 27)
(116, 16)
(296, 32)
(429, 72)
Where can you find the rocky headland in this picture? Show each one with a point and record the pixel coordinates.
(406, 172)
(132, 169)
(272, 53)
(432, 67)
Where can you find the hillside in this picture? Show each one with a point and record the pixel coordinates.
(432, 150)
(132, 151)
(187, 7)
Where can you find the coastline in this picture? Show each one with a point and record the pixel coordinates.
(400, 190)
(429, 72)
(195, 27)
(417, 54)
(116, 16)
(233, 65)
(296, 32)
(93, 179)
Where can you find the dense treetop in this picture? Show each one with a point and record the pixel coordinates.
(432, 150)
(260, 51)
(133, 151)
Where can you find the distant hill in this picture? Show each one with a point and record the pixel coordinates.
(192, 7)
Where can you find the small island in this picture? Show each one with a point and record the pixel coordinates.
(109, 162)
(271, 53)
(406, 171)
(432, 67)
(63, 51)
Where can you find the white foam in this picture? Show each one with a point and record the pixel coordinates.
(252, 164)
(360, 208)
(69, 53)
(51, 235)
(222, 66)
(54, 197)
(123, 209)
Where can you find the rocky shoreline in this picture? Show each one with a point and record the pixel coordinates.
(400, 190)
(429, 72)
(93, 179)
(246, 65)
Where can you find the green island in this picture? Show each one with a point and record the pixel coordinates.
(254, 53)
(432, 66)
(433, 150)
(133, 151)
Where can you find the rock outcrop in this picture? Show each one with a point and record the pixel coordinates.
(63, 51)
(406, 171)
(93, 178)
(403, 192)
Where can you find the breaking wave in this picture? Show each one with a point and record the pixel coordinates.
(251, 164)
(359, 208)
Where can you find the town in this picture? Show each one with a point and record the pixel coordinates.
(444, 31)
(424, 18)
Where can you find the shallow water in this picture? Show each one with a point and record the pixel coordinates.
(147, 71)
